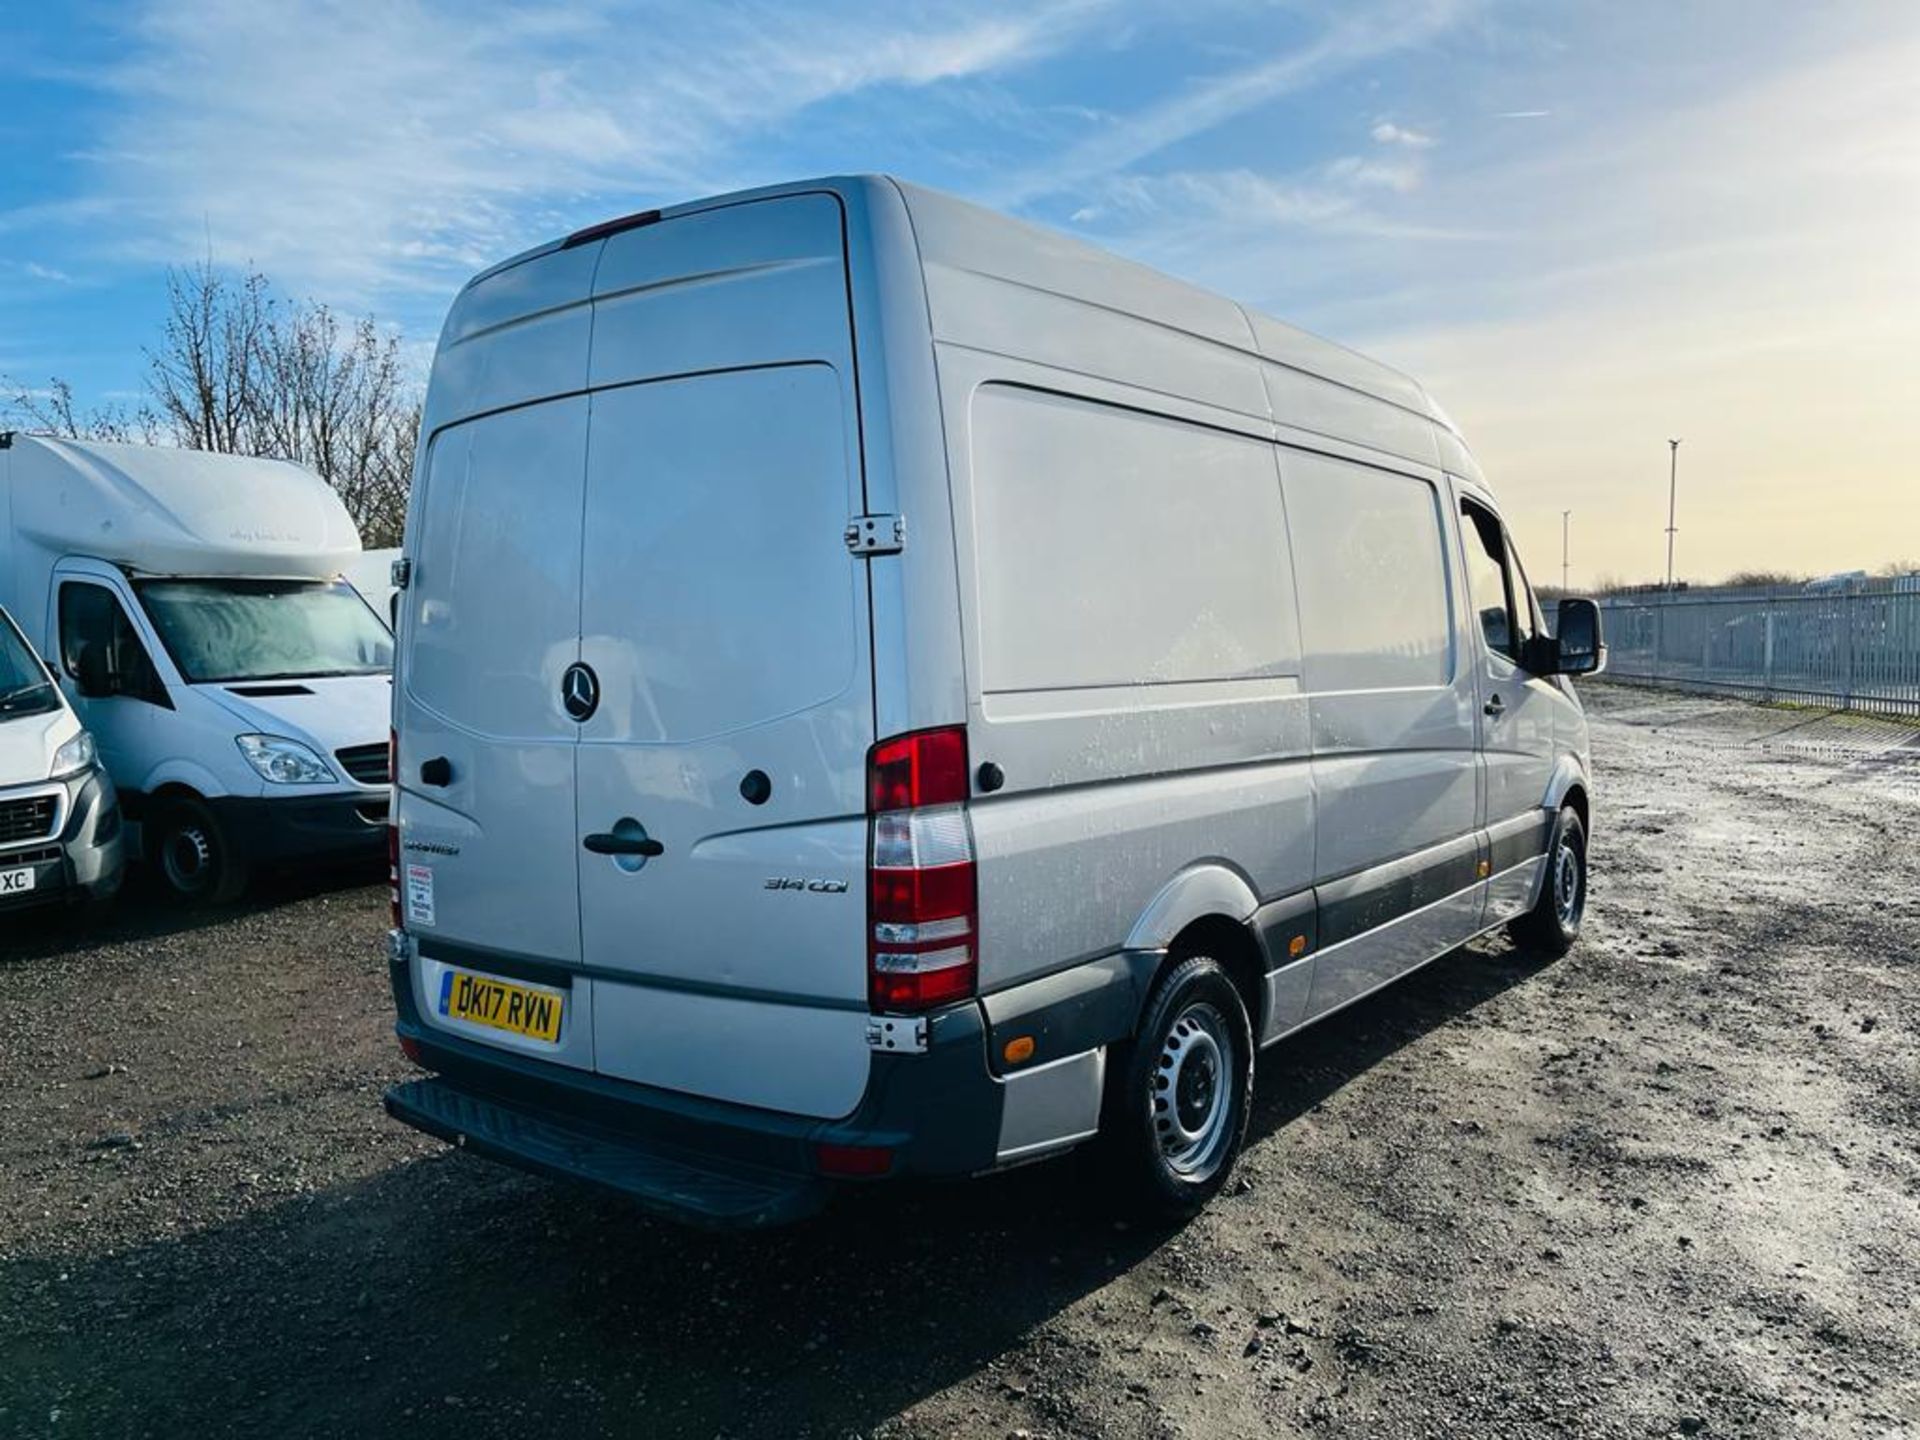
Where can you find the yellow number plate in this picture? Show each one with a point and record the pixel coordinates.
(483, 1000)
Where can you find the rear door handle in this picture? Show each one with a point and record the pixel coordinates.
(1495, 706)
(607, 843)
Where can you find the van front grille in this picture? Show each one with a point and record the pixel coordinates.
(365, 763)
(30, 819)
(42, 856)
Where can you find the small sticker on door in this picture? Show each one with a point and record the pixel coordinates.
(419, 894)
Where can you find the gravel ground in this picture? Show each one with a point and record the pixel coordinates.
(1667, 1185)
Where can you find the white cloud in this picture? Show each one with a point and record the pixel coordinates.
(1398, 176)
(1351, 40)
(1388, 133)
(367, 150)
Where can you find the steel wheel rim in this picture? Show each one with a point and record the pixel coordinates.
(1566, 884)
(1192, 1099)
(187, 858)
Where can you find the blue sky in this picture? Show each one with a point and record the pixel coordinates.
(1585, 226)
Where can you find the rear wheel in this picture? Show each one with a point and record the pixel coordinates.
(193, 856)
(1554, 922)
(1177, 1109)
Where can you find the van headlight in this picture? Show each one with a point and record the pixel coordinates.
(284, 761)
(76, 755)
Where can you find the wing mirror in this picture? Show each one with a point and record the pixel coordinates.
(1579, 643)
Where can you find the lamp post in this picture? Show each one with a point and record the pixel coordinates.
(1565, 519)
(1673, 485)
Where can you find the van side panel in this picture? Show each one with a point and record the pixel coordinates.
(1391, 684)
(1131, 650)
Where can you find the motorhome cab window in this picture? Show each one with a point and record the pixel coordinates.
(100, 648)
(242, 629)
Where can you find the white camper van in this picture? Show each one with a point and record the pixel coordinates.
(885, 690)
(60, 822)
(237, 687)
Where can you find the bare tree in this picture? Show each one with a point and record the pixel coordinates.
(242, 371)
(54, 411)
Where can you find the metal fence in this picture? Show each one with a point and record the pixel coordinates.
(1854, 646)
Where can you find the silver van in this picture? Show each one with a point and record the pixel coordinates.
(884, 690)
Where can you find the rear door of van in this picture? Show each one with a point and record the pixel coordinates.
(726, 625)
(637, 636)
(489, 871)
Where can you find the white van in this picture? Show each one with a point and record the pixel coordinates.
(238, 688)
(59, 817)
(885, 690)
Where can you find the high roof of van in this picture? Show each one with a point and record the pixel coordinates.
(163, 510)
(959, 234)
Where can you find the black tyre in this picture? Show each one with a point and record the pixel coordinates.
(1554, 922)
(192, 855)
(1178, 1104)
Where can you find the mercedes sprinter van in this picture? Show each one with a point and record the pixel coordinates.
(59, 817)
(885, 690)
(237, 687)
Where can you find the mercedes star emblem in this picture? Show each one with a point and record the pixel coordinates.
(580, 691)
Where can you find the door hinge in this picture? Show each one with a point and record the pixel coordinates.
(400, 573)
(877, 534)
(903, 1034)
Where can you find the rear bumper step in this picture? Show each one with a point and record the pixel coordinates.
(699, 1190)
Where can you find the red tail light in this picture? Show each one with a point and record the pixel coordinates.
(393, 829)
(922, 901)
(392, 876)
(928, 767)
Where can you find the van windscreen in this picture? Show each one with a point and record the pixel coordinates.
(24, 686)
(220, 629)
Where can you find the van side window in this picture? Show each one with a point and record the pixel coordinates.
(1488, 581)
(97, 637)
(1368, 552)
(1116, 548)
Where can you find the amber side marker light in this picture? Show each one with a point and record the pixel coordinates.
(1485, 869)
(1018, 1050)
(1297, 946)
